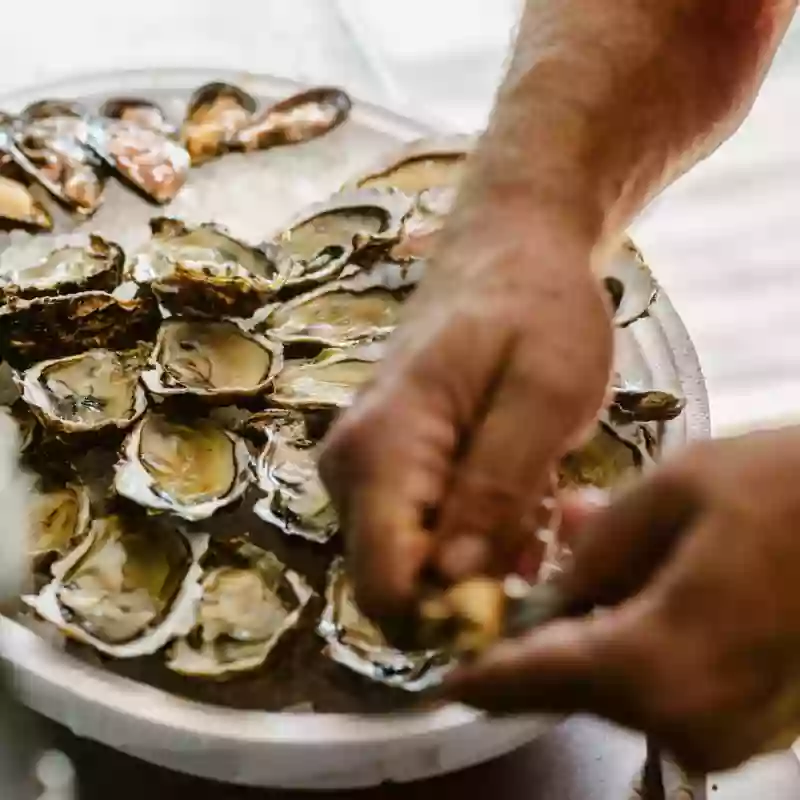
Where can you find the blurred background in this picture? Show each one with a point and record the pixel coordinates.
(724, 242)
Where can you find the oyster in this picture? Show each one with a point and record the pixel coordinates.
(92, 391)
(630, 284)
(65, 325)
(338, 314)
(49, 145)
(145, 158)
(296, 501)
(204, 271)
(128, 589)
(355, 642)
(216, 361)
(138, 111)
(20, 209)
(636, 404)
(216, 112)
(247, 606)
(615, 453)
(189, 471)
(329, 382)
(299, 118)
(325, 236)
(60, 519)
(96, 266)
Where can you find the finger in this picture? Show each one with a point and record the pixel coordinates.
(617, 550)
(577, 508)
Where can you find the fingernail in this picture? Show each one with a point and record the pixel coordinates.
(463, 556)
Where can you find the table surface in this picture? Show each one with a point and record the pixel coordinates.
(723, 243)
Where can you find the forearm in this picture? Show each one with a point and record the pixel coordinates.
(605, 103)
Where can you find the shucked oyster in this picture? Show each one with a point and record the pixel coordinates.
(216, 112)
(338, 314)
(59, 520)
(217, 361)
(296, 501)
(94, 266)
(248, 604)
(356, 643)
(204, 271)
(150, 161)
(324, 237)
(128, 589)
(64, 325)
(20, 209)
(190, 471)
(630, 283)
(296, 119)
(49, 145)
(329, 382)
(88, 392)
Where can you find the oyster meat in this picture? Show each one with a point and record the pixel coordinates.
(93, 266)
(20, 209)
(247, 606)
(65, 325)
(190, 470)
(92, 391)
(216, 112)
(217, 361)
(355, 642)
(330, 381)
(337, 315)
(60, 519)
(203, 271)
(629, 283)
(299, 118)
(362, 223)
(145, 158)
(128, 589)
(49, 146)
(138, 111)
(296, 501)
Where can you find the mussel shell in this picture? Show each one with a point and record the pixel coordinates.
(300, 118)
(144, 158)
(330, 381)
(356, 643)
(630, 284)
(94, 266)
(65, 325)
(247, 606)
(113, 397)
(190, 471)
(59, 519)
(128, 589)
(20, 209)
(137, 110)
(178, 365)
(215, 113)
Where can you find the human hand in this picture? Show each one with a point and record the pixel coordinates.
(699, 645)
(504, 357)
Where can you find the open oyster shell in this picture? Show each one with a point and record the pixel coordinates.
(637, 404)
(59, 520)
(92, 391)
(19, 208)
(356, 643)
(139, 111)
(65, 325)
(296, 119)
(218, 362)
(75, 267)
(216, 112)
(203, 271)
(338, 314)
(330, 381)
(145, 158)
(630, 284)
(247, 605)
(296, 501)
(128, 589)
(324, 237)
(190, 470)
(49, 146)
